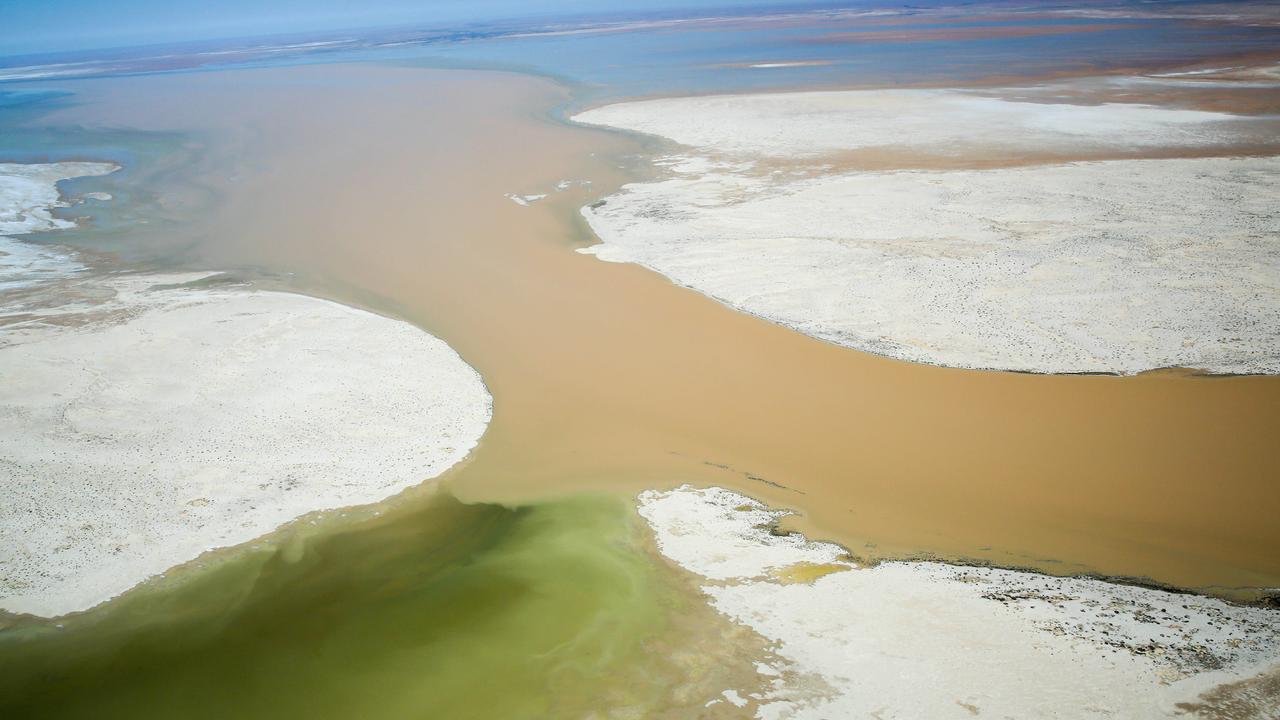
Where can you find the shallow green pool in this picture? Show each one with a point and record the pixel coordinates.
(444, 610)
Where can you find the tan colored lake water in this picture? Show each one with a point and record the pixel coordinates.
(385, 187)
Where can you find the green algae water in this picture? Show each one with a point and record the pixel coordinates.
(442, 609)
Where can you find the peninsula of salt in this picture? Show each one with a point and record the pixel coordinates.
(982, 245)
(28, 196)
(931, 640)
(144, 420)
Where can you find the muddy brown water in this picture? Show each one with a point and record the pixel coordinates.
(384, 187)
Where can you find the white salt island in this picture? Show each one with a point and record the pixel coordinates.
(953, 228)
(145, 420)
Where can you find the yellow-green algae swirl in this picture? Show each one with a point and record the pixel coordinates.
(445, 610)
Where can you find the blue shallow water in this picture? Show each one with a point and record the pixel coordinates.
(659, 56)
(698, 61)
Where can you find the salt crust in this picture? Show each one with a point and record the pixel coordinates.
(142, 424)
(930, 640)
(1116, 266)
(809, 124)
(523, 200)
(28, 195)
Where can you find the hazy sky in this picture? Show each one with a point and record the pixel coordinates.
(29, 26)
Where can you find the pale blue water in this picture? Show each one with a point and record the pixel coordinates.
(678, 61)
(704, 57)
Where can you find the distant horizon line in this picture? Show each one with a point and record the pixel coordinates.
(691, 11)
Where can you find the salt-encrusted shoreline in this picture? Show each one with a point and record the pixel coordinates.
(144, 421)
(28, 196)
(814, 124)
(29, 193)
(1115, 266)
(926, 639)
